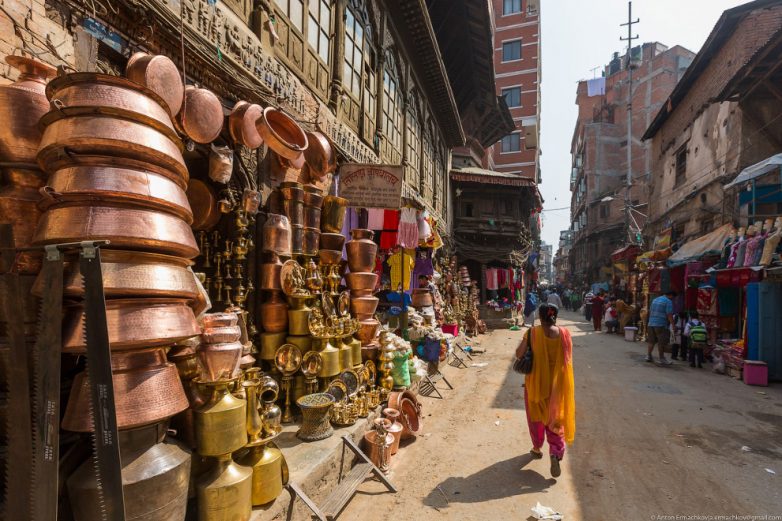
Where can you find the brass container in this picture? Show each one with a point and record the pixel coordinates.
(311, 241)
(23, 103)
(277, 235)
(330, 356)
(329, 257)
(292, 198)
(219, 361)
(378, 448)
(160, 75)
(422, 298)
(155, 477)
(313, 200)
(67, 141)
(274, 314)
(410, 412)
(186, 361)
(270, 342)
(298, 321)
(303, 342)
(225, 319)
(315, 410)
(333, 214)
(266, 462)
(361, 281)
(395, 429)
(134, 324)
(270, 411)
(201, 117)
(282, 134)
(297, 239)
(147, 389)
(270, 276)
(367, 332)
(345, 355)
(241, 124)
(220, 422)
(117, 187)
(364, 305)
(19, 208)
(355, 350)
(320, 156)
(361, 250)
(126, 228)
(253, 418)
(224, 492)
(331, 241)
(133, 274)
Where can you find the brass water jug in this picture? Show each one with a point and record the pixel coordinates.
(224, 492)
(220, 423)
(269, 471)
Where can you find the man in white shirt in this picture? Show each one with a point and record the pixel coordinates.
(554, 299)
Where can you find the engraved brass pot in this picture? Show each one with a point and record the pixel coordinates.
(315, 409)
(220, 423)
(23, 103)
(242, 124)
(361, 250)
(147, 389)
(134, 324)
(201, 117)
(160, 75)
(119, 187)
(274, 314)
(282, 134)
(224, 492)
(333, 215)
(126, 228)
(219, 360)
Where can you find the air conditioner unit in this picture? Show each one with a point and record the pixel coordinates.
(532, 7)
(530, 128)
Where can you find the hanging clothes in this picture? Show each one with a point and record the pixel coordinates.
(388, 240)
(408, 229)
(492, 282)
(376, 218)
(391, 220)
(401, 268)
(423, 264)
(424, 229)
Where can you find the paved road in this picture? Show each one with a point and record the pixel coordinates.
(650, 441)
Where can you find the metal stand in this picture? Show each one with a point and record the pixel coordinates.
(428, 385)
(457, 360)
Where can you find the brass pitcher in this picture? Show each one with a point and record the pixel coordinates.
(225, 491)
(298, 316)
(269, 471)
(271, 412)
(220, 426)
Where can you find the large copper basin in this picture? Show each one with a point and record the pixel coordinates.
(134, 324)
(201, 117)
(126, 228)
(282, 134)
(320, 157)
(120, 186)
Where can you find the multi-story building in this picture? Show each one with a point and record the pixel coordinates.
(560, 262)
(599, 221)
(545, 262)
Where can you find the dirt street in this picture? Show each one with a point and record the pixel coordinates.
(649, 441)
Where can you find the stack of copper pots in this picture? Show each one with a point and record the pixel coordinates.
(277, 245)
(362, 280)
(313, 201)
(291, 198)
(220, 351)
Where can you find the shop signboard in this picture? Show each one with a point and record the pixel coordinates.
(371, 186)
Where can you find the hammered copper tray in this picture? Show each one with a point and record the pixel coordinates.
(134, 324)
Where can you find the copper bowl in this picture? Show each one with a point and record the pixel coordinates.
(147, 389)
(133, 274)
(221, 335)
(310, 241)
(270, 276)
(134, 324)
(203, 201)
(118, 142)
(368, 331)
(320, 156)
(328, 257)
(201, 117)
(282, 134)
(219, 319)
(242, 124)
(364, 305)
(332, 241)
(410, 408)
(117, 186)
(361, 280)
(126, 228)
(160, 75)
(219, 361)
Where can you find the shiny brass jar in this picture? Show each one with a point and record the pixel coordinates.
(331, 361)
(345, 354)
(270, 342)
(269, 471)
(333, 214)
(303, 342)
(224, 492)
(298, 316)
(220, 423)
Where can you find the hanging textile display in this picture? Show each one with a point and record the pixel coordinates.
(408, 228)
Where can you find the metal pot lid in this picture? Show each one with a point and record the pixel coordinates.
(159, 74)
(201, 117)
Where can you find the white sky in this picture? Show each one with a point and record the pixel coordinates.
(579, 35)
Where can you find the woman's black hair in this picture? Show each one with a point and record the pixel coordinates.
(548, 313)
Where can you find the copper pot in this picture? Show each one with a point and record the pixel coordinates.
(370, 352)
(311, 240)
(368, 331)
(219, 361)
(312, 218)
(361, 250)
(23, 103)
(133, 274)
(313, 200)
(147, 389)
(333, 214)
(270, 276)
(282, 134)
(297, 239)
(396, 428)
(422, 298)
(277, 235)
(201, 117)
(410, 412)
(126, 228)
(160, 75)
(242, 124)
(364, 305)
(328, 257)
(134, 324)
(89, 93)
(117, 142)
(274, 314)
(117, 186)
(220, 319)
(221, 335)
(331, 241)
(320, 156)
(292, 198)
(361, 281)
(203, 201)
(19, 208)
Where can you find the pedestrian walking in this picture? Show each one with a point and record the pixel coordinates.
(679, 345)
(554, 299)
(549, 391)
(597, 310)
(530, 304)
(588, 297)
(660, 325)
(697, 333)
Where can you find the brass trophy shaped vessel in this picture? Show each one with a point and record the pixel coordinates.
(288, 360)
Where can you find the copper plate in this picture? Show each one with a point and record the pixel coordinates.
(241, 124)
(160, 75)
(134, 324)
(121, 186)
(201, 117)
(126, 228)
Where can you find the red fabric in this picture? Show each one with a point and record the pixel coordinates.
(707, 301)
(391, 220)
(655, 281)
(691, 298)
(677, 278)
(387, 240)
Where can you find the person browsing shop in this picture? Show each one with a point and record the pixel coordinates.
(697, 334)
(658, 330)
(598, 302)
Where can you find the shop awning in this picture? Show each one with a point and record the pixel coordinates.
(758, 169)
(626, 253)
(711, 243)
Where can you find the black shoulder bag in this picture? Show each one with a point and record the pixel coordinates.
(523, 365)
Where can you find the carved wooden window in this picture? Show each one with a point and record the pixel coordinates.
(319, 27)
(392, 116)
(354, 53)
(294, 10)
(427, 168)
(370, 100)
(413, 156)
(441, 186)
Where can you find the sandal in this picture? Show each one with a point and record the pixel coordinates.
(555, 468)
(536, 453)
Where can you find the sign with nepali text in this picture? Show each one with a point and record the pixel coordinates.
(371, 186)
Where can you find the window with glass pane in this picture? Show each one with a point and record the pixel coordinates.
(511, 143)
(294, 10)
(427, 175)
(511, 6)
(319, 27)
(511, 50)
(512, 96)
(392, 111)
(354, 54)
(413, 146)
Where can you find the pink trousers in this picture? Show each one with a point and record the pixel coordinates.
(540, 432)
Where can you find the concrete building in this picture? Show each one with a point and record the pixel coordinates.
(561, 263)
(545, 262)
(599, 151)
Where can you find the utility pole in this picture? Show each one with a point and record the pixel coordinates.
(631, 238)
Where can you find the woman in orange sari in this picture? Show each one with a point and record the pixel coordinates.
(549, 395)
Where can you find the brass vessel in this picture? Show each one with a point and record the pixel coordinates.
(155, 476)
(224, 492)
(368, 331)
(361, 250)
(160, 75)
(225, 319)
(333, 215)
(345, 354)
(361, 281)
(297, 239)
(269, 471)
(270, 275)
(331, 360)
(303, 342)
(270, 411)
(329, 257)
(282, 134)
(379, 442)
(201, 117)
(292, 198)
(220, 422)
(355, 351)
(313, 200)
(287, 359)
(298, 316)
(331, 241)
(219, 361)
(277, 235)
(221, 334)
(310, 241)
(241, 124)
(410, 412)
(274, 314)
(364, 305)
(270, 342)
(395, 428)
(315, 410)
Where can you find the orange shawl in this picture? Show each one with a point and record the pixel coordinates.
(551, 394)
